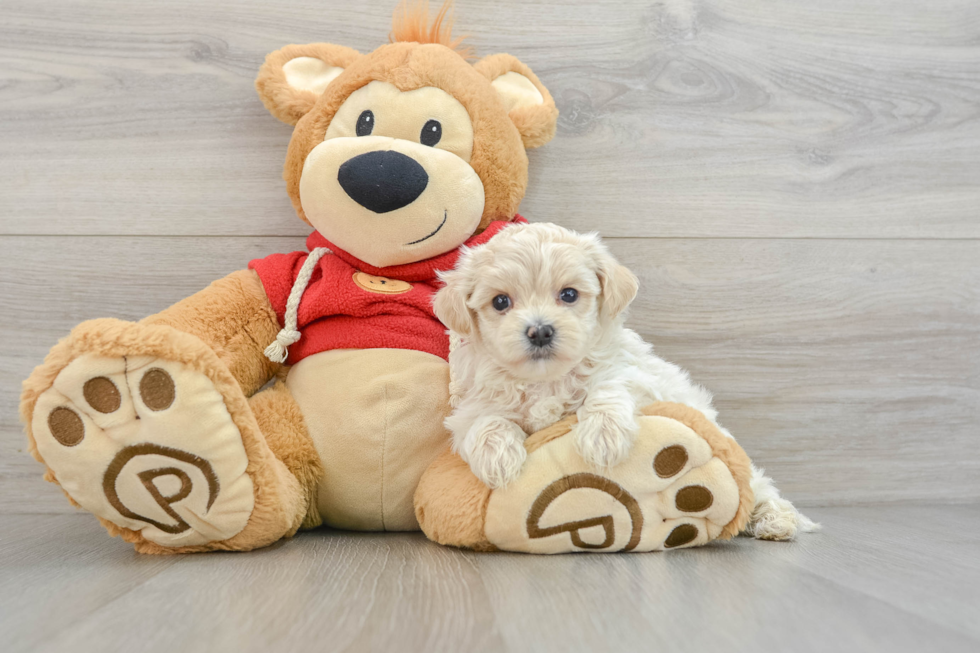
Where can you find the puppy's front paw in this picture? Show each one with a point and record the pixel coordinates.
(495, 453)
(604, 438)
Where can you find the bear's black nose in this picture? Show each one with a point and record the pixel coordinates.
(382, 181)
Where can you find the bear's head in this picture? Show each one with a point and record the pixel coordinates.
(404, 153)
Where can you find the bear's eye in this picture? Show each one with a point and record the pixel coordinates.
(365, 123)
(431, 133)
(501, 303)
(568, 295)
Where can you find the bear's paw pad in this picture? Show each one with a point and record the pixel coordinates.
(147, 444)
(671, 492)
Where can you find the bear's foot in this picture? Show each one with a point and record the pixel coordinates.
(144, 427)
(683, 484)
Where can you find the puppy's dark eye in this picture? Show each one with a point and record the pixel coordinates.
(431, 133)
(365, 123)
(568, 295)
(501, 303)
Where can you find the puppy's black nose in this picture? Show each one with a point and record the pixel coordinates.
(383, 180)
(540, 335)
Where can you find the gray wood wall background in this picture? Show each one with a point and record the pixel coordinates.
(796, 183)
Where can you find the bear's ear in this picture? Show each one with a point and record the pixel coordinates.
(529, 104)
(293, 78)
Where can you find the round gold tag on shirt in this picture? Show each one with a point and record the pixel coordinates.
(381, 285)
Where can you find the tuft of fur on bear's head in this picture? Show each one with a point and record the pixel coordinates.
(411, 23)
(404, 153)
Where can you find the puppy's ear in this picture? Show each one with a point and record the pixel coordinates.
(450, 302)
(293, 78)
(619, 285)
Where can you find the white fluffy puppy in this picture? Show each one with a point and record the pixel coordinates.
(539, 313)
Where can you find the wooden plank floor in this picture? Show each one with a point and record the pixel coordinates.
(878, 578)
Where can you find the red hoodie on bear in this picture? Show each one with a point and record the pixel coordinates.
(349, 304)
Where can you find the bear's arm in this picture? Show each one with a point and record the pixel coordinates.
(234, 317)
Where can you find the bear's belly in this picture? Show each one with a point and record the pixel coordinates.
(375, 416)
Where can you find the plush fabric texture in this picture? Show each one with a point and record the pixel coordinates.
(341, 309)
(451, 504)
(411, 23)
(279, 507)
(234, 318)
(498, 157)
(149, 444)
(283, 101)
(724, 448)
(376, 425)
(384, 197)
(281, 420)
(633, 507)
(536, 124)
(310, 74)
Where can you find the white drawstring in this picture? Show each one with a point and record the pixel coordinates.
(279, 349)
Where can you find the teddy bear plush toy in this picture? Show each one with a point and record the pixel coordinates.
(170, 431)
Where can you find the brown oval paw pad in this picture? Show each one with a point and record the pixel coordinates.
(102, 395)
(66, 426)
(683, 534)
(117, 434)
(678, 488)
(157, 389)
(670, 460)
(693, 498)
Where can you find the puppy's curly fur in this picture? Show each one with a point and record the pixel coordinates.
(538, 313)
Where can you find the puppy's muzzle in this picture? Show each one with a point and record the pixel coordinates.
(540, 335)
(383, 180)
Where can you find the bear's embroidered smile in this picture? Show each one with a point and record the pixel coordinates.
(445, 216)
